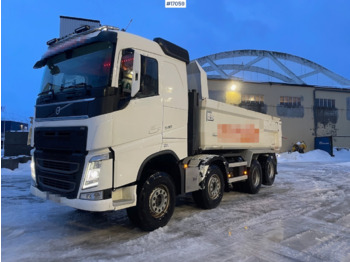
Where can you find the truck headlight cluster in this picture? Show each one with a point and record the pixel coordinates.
(92, 174)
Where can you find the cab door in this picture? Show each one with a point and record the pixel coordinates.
(138, 125)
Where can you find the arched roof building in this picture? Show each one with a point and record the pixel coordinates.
(311, 100)
(262, 65)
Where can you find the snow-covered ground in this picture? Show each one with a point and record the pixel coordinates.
(304, 216)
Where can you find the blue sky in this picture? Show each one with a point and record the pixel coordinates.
(315, 29)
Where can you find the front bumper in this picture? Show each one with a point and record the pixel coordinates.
(88, 205)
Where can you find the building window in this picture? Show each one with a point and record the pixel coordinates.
(290, 101)
(290, 106)
(254, 103)
(324, 103)
(326, 114)
(253, 99)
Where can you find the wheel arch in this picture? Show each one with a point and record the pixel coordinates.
(165, 161)
(221, 163)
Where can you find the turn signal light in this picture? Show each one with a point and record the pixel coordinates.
(245, 172)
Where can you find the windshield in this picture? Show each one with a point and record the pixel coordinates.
(83, 68)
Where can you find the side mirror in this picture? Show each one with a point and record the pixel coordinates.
(135, 87)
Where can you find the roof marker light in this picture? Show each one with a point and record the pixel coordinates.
(82, 29)
(52, 41)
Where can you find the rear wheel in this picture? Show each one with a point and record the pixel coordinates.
(269, 171)
(210, 197)
(253, 183)
(155, 203)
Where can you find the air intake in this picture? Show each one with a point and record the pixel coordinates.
(173, 50)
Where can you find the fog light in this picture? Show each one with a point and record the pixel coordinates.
(98, 195)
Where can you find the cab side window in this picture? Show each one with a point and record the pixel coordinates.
(126, 73)
(149, 77)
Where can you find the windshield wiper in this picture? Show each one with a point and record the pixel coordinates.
(46, 96)
(48, 91)
(77, 90)
(80, 85)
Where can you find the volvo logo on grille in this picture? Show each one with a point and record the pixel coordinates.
(58, 110)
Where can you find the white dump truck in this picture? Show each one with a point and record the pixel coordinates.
(123, 122)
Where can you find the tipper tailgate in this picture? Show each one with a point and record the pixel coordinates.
(224, 126)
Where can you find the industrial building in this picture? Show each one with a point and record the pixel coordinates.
(310, 100)
(9, 126)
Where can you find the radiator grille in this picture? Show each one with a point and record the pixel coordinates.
(61, 138)
(59, 159)
(58, 166)
(64, 186)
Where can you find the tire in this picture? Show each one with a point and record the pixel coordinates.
(254, 180)
(269, 171)
(210, 197)
(155, 202)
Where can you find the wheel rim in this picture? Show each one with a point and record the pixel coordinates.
(255, 178)
(159, 201)
(270, 170)
(214, 187)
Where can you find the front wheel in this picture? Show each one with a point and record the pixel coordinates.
(155, 203)
(210, 197)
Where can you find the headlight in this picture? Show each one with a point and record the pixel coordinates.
(93, 170)
(92, 174)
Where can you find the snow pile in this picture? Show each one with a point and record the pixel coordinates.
(343, 155)
(21, 170)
